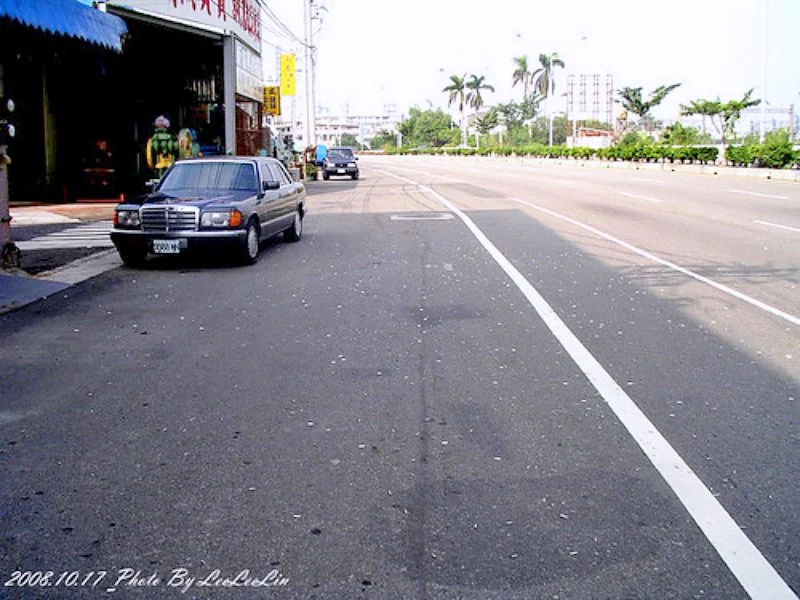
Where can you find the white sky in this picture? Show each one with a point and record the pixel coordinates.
(373, 52)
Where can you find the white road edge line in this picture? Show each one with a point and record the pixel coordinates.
(759, 195)
(797, 229)
(719, 286)
(756, 575)
(640, 197)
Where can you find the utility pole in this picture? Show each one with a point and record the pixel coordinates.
(308, 42)
(762, 129)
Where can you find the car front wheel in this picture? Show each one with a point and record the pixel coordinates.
(295, 231)
(248, 252)
(133, 256)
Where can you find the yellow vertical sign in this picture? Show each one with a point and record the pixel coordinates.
(272, 100)
(287, 74)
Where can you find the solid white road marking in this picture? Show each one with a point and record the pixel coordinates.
(759, 194)
(756, 575)
(778, 226)
(432, 217)
(646, 179)
(640, 197)
(722, 288)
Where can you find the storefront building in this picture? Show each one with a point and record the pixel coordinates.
(90, 82)
(189, 60)
(56, 57)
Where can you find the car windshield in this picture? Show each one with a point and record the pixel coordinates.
(217, 176)
(338, 154)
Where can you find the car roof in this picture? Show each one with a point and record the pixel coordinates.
(235, 159)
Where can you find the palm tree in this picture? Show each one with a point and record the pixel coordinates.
(522, 75)
(544, 82)
(457, 93)
(475, 85)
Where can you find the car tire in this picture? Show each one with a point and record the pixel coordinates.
(325, 176)
(355, 176)
(295, 230)
(133, 256)
(248, 251)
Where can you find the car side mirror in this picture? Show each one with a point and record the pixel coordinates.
(356, 158)
(272, 185)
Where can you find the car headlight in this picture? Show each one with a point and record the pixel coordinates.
(126, 218)
(351, 164)
(221, 218)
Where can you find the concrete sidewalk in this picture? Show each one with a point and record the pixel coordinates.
(19, 288)
(46, 214)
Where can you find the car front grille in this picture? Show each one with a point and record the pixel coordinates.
(169, 218)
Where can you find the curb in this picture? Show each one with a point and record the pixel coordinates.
(26, 289)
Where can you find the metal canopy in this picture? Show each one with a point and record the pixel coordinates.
(68, 18)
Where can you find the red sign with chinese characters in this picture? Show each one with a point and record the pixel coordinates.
(242, 17)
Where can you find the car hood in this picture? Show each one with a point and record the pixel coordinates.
(201, 200)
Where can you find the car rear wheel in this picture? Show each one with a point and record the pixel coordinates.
(248, 253)
(295, 231)
(325, 176)
(355, 176)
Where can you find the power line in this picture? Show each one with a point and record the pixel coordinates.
(277, 21)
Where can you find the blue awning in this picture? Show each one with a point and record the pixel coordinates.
(69, 18)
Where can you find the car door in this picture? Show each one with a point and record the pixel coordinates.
(296, 188)
(271, 203)
(284, 207)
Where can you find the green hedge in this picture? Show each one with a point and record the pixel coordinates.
(635, 152)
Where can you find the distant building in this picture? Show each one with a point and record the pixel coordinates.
(332, 126)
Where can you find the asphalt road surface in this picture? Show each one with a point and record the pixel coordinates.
(468, 380)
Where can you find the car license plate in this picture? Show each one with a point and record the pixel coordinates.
(166, 246)
(340, 170)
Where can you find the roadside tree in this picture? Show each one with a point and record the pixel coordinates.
(384, 139)
(429, 128)
(457, 91)
(633, 102)
(544, 83)
(522, 74)
(475, 85)
(723, 115)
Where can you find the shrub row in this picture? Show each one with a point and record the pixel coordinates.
(767, 155)
(643, 152)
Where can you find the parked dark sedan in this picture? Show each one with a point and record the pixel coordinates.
(220, 203)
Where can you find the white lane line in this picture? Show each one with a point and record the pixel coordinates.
(433, 217)
(748, 565)
(646, 179)
(640, 197)
(722, 288)
(778, 226)
(759, 194)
